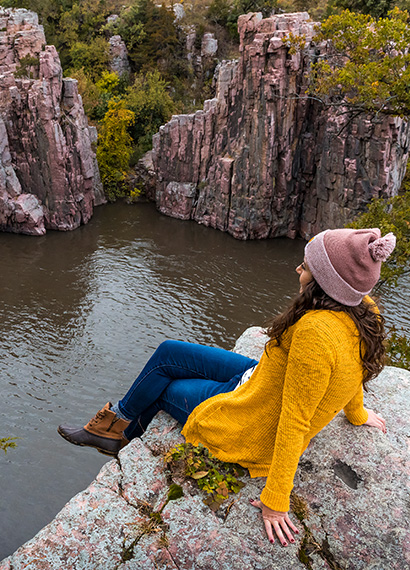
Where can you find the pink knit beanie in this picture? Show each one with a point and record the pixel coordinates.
(346, 263)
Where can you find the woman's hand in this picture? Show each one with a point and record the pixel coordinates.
(278, 521)
(376, 421)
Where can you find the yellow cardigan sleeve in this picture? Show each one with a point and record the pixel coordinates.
(355, 411)
(310, 362)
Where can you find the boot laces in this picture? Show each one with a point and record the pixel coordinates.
(98, 416)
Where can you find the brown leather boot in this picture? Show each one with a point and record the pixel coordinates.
(104, 432)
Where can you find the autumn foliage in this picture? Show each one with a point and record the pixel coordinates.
(366, 64)
(115, 148)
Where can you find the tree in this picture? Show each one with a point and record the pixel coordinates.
(366, 66)
(150, 36)
(115, 148)
(393, 215)
(375, 8)
(92, 56)
(149, 100)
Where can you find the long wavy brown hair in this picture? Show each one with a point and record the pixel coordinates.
(369, 323)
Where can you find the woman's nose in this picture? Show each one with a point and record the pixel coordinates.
(298, 269)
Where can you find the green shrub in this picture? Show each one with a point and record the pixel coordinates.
(212, 475)
(115, 148)
(149, 100)
(27, 67)
(94, 56)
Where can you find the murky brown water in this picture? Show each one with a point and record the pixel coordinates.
(81, 312)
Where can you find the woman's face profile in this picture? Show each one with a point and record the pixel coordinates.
(305, 275)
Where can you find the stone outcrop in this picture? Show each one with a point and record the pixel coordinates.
(119, 55)
(262, 160)
(49, 176)
(179, 12)
(201, 53)
(353, 481)
(209, 45)
(145, 179)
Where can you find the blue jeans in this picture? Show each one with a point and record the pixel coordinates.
(178, 377)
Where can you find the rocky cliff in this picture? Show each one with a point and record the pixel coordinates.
(352, 488)
(261, 160)
(49, 176)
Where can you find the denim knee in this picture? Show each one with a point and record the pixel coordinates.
(167, 346)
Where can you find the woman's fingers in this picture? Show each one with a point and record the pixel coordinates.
(383, 424)
(278, 530)
(269, 525)
(287, 530)
(268, 528)
(281, 529)
(276, 522)
(290, 523)
(374, 420)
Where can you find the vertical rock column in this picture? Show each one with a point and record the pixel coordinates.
(46, 130)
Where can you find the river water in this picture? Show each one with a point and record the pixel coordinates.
(81, 312)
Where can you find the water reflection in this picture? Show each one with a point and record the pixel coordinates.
(79, 315)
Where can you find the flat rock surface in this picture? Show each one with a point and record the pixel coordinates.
(352, 481)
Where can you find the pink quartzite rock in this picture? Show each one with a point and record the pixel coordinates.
(354, 480)
(49, 176)
(119, 55)
(261, 160)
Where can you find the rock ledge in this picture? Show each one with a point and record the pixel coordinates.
(354, 480)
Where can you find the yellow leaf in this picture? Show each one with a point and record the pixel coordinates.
(199, 474)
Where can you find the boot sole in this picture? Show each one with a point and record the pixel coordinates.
(99, 449)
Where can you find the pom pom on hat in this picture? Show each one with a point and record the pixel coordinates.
(381, 248)
(346, 263)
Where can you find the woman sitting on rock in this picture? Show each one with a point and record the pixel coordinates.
(322, 352)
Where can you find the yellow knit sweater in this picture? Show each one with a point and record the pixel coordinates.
(296, 389)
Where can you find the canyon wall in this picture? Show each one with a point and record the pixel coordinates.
(262, 160)
(49, 176)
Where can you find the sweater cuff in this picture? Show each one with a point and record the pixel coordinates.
(358, 418)
(275, 501)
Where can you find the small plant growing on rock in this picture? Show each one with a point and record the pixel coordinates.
(310, 545)
(135, 195)
(153, 522)
(213, 476)
(7, 443)
(299, 506)
(25, 69)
